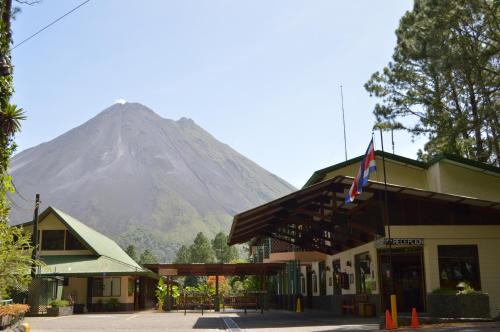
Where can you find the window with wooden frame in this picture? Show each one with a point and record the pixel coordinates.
(314, 282)
(52, 240)
(337, 281)
(322, 277)
(458, 263)
(106, 287)
(364, 278)
(72, 243)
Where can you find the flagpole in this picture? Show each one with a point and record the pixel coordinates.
(343, 121)
(388, 223)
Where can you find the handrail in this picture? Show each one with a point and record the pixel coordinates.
(6, 302)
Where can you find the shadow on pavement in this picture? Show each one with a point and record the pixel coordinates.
(278, 319)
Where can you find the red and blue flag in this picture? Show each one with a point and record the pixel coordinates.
(367, 166)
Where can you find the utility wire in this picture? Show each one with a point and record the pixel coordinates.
(16, 191)
(50, 24)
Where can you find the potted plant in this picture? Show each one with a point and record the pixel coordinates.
(60, 308)
(161, 293)
(12, 314)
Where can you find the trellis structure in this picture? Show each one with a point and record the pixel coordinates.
(261, 270)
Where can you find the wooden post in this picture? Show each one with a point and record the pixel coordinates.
(261, 294)
(217, 304)
(185, 306)
(34, 254)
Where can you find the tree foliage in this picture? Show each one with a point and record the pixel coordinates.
(147, 257)
(444, 80)
(161, 293)
(223, 252)
(183, 255)
(201, 250)
(15, 244)
(15, 258)
(132, 252)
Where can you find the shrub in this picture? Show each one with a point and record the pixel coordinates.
(464, 289)
(59, 303)
(467, 289)
(161, 293)
(111, 304)
(13, 309)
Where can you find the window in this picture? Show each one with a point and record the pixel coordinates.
(364, 278)
(302, 283)
(315, 282)
(72, 243)
(105, 287)
(53, 240)
(337, 282)
(458, 263)
(131, 286)
(322, 278)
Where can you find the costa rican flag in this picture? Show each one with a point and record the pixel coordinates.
(366, 167)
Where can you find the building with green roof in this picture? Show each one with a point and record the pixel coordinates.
(86, 267)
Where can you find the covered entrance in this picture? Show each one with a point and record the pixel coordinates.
(409, 278)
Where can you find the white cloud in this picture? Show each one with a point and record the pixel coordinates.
(120, 101)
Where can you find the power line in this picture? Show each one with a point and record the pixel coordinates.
(50, 24)
(16, 191)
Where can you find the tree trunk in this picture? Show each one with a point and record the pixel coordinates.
(476, 124)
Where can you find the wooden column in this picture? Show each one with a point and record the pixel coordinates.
(217, 298)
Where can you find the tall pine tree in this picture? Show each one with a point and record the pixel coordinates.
(201, 250)
(444, 80)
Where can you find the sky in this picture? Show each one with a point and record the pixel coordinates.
(263, 76)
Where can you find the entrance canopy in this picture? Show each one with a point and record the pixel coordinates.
(317, 218)
(216, 269)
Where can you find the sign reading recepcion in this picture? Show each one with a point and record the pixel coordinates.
(405, 242)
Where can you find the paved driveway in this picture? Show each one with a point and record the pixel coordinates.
(176, 321)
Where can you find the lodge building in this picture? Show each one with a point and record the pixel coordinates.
(444, 229)
(85, 267)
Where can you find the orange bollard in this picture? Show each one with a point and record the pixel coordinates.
(388, 321)
(414, 319)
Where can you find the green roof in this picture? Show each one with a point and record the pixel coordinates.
(71, 265)
(108, 256)
(320, 174)
(101, 244)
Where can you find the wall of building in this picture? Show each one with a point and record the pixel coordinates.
(51, 222)
(444, 176)
(349, 256)
(397, 173)
(77, 287)
(487, 238)
(462, 180)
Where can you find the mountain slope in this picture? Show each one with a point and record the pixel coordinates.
(138, 178)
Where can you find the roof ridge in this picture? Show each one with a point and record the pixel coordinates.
(423, 164)
(124, 263)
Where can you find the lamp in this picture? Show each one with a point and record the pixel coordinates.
(348, 263)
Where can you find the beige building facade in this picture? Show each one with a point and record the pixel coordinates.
(431, 248)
